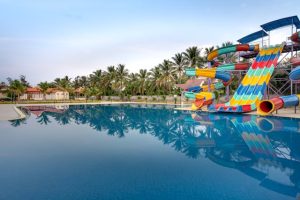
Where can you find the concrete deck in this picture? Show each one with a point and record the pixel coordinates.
(285, 112)
(11, 112)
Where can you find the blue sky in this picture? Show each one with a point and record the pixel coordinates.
(47, 39)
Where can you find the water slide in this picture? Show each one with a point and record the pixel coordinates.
(267, 107)
(218, 73)
(204, 97)
(254, 84)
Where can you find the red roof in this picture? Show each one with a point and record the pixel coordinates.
(53, 90)
(33, 90)
(191, 83)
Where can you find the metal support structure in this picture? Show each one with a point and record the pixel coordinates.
(269, 39)
(209, 79)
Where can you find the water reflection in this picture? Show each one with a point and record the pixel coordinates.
(262, 148)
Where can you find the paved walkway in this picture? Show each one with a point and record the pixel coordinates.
(8, 112)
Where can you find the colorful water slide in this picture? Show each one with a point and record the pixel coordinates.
(254, 84)
(232, 49)
(267, 107)
(203, 97)
(204, 88)
(219, 72)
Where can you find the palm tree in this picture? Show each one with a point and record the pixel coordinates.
(63, 84)
(16, 87)
(229, 57)
(167, 75)
(92, 91)
(143, 78)
(192, 55)
(121, 77)
(133, 84)
(155, 74)
(44, 86)
(96, 78)
(207, 51)
(24, 81)
(109, 79)
(179, 63)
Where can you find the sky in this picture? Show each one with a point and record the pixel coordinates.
(47, 39)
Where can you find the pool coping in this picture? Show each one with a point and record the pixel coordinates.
(286, 112)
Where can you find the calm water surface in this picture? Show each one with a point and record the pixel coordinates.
(147, 152)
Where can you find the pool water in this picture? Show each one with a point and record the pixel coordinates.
(147, 152)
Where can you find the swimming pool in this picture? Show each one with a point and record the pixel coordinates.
(147, 152)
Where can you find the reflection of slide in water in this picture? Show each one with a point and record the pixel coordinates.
(253, 130)
(277, 125)
(258, 143)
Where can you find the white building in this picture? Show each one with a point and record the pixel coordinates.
(51, 94)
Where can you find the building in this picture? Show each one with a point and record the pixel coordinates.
(32, 93)
(36, 94)
(3, 90)
(56, 94)
(79, 93)
(192, 83)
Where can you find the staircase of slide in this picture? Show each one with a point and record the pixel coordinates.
(254, 84)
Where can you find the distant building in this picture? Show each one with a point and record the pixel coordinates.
(79, 93)
(3, 90)
(192, 83)
(36, 94)
(57, 94)
(32, 93)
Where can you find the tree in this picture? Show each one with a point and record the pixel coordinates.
(207, 51)
(92, 91)
(229, 57)
(16, 88)
(192, 55)
(64, 84)
(143, 78)
(132, 85)
(24, 81)
(109, 79)
(167, 79)
(80, 81)
(179, 63)
(96, 77)
(155, 74)
(121, 77)
(44, 86)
